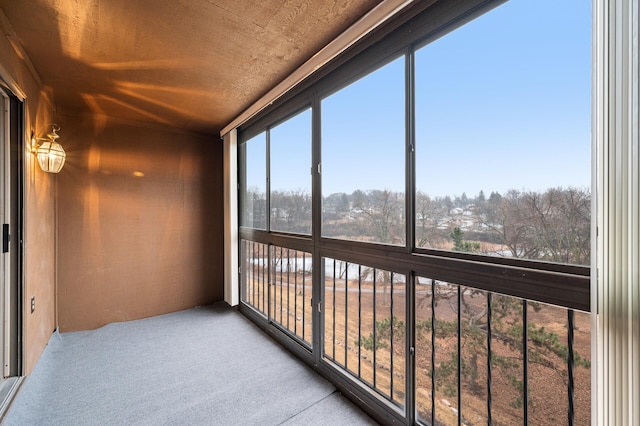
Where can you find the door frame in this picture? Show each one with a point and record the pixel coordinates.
(12, 144)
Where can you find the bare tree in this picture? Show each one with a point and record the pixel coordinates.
(255, 207)
(563, 225)
(383, 212)
(552, 226)
(291, 210)
(431, 215)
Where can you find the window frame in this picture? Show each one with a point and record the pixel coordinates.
(564, 285)
(486, 271)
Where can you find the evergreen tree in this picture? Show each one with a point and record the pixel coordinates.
(460, 245)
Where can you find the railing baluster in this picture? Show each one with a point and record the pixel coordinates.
(433, 352)
(281, 282)
(243, 269)
(256, 254)
(288, 288)
(391, 339)
(359, 320)
(570, 363)
(273, 284)
(489, 417)
(254, 269)
(272, 270)
(375, 337)
(304, 303)
(334, 310)
(250, 273)
(346, 313)
(267, 295)
(268, 276)
(264, 279)
(257, 276)
(265, 275)
(459, 356)
(525, 362)
(273, 280)
(295, 292)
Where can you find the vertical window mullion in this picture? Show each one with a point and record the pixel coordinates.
(267, 213)
(410, 215)
(410, 132)
(410, 348)
(318, 273)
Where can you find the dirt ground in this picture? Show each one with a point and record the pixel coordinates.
(349, 326)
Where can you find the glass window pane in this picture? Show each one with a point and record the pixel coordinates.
(290, 291)
(423, 350)
(254, 279)
(364, 325)
(254, 183)
(290, 147)
(503, 134)
(363, 173)
(582, 368)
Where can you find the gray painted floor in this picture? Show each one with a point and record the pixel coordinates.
(206, 366)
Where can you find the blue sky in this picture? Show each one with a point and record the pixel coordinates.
(291, 154)
(501, 103)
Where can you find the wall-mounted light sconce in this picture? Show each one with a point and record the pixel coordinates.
(50, 153)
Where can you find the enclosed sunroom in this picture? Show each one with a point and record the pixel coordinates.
(432, 204)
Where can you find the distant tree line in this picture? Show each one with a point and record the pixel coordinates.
(553, 225)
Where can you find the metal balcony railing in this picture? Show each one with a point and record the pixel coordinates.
(364, 320)
(277, 284)
(437, 352)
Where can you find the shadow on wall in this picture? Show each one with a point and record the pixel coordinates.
(140, 221)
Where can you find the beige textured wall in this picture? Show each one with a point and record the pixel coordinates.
(39, 262)
(140, 220)
(39, 238)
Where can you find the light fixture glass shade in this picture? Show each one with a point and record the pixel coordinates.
(51, 156)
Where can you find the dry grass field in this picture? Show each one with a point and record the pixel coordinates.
(351, 311)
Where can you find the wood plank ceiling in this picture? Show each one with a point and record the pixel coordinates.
(192, 64)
